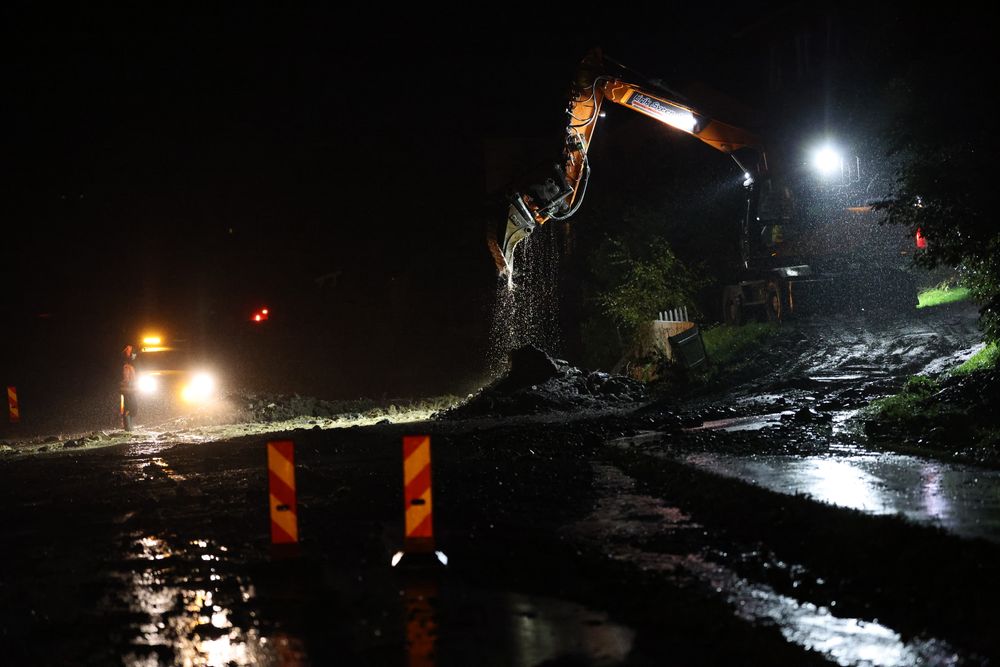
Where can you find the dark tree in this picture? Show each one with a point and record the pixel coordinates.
(946, 141)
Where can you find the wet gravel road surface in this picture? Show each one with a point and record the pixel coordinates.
(679, 532)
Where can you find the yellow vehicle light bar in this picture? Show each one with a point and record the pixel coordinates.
(152, 340)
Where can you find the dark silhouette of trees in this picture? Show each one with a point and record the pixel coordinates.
(945, 139)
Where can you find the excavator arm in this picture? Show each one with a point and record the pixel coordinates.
(559, 196)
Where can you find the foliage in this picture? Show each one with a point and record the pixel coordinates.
(907, 403)
(645, 285)
(602, 342)
(987, 358)
(939, 296)
(727, 344)
(954, 413)
(945, 184)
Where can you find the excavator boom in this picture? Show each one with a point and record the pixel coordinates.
(559, 196)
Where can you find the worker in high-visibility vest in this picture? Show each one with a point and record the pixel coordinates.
(128, 406)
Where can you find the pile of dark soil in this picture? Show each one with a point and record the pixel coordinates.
(539, 383)
(279, 407)
(978, 391)
(268, 407)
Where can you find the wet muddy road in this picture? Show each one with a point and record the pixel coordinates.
(747, 527)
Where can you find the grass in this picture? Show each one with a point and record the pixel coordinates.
(938, 296)
(727, 345)
(918, 420)
(908, 403)
(985, 359)
(730, 351)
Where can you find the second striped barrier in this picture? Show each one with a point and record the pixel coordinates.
(418, 501)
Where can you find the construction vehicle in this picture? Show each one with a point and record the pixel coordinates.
(793, 257)
(169, 377)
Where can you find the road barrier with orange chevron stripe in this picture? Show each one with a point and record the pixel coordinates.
(418, 503)
(418, 507)
(281, 480)
(14, 411)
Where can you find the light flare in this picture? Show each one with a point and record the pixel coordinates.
(201, 388)
(828, 161)
(148, 384)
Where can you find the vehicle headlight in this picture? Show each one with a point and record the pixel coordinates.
(147, 384)
(201, 387)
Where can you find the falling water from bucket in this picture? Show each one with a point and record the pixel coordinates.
(526, 310)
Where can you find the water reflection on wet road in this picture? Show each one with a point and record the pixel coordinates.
(962, 499)
(450, 624)
(843, 640)
(188, 608)
(187, 613)
(545, 629)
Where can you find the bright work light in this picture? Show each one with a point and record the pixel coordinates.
(828, 161)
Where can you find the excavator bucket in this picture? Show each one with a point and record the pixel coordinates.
(517, 229)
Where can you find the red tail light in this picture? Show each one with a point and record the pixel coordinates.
(921, 240)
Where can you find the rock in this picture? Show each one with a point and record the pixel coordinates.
(808, 414)
(528, 366)
(596, 380)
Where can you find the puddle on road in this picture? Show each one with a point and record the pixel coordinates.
(750, 423)
(191, 619)
(185, 609)
(961, 499)
(546, 629)
(637, 439)
(845, 641)
(840, 422)
(841, 377)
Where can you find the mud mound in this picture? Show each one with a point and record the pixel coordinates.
(278, 407)
(958, 414)
(977, 392)
(539, 383)
(267, 407)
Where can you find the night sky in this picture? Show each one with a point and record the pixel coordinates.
(182, 169)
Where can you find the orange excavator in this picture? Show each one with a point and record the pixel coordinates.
(559, 196)
(795, 255)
